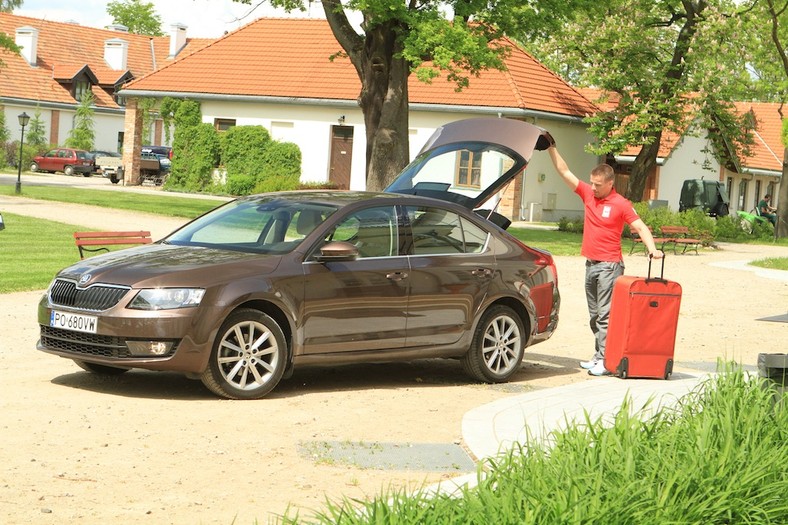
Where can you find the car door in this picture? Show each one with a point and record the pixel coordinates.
(359, 304)
(451, 266)
(49, 161)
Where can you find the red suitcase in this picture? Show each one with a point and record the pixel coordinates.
(641, 334)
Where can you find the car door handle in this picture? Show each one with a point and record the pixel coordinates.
(397, 276)
(482, 272)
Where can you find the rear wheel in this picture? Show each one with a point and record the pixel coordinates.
(497, 348)
(102, 370)
(248, 356)
(87, 174)
(69, 170)
(34, 167)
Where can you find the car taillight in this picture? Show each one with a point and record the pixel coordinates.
(541, 258)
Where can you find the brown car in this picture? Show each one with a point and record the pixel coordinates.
(67, 160)
(244, 294)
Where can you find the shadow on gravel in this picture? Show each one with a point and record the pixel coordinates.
(425, 373)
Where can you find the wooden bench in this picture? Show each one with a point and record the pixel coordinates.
(679, 235)
(104, 239)
(637, 241)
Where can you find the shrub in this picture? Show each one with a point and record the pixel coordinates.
(243, 149)
(197, 155)
(565, 224)
(249, 154)
(240, 184)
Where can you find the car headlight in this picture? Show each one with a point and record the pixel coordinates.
(167, 298)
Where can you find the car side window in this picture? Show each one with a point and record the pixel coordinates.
(373, 231)
(437, 231)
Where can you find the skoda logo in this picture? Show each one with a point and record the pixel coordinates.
(85, 278)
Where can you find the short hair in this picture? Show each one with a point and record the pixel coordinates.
(605, 171)
(767, 196)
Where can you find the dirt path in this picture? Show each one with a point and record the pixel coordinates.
(157, 448)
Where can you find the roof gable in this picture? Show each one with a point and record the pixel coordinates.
(263, 59)
(64, 49)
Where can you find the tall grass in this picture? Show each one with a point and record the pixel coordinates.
(720, 456)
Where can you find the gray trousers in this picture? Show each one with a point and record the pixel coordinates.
(600, 277)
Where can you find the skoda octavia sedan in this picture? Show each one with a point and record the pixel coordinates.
(246, 293)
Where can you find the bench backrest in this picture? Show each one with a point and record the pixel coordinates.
(82, 239)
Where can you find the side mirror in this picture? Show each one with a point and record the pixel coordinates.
(337, 251)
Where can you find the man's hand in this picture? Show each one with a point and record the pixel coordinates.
(656, 254)
(545, 141)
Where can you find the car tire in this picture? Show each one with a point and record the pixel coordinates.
(34, 167)
(69, 170)
(497, 347)
(248, 357)
(87, 173)
(102, 370)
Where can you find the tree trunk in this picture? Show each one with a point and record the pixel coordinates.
(644, 163)
(384, 91)
(647, 157)
(782, 201)
(384, 102)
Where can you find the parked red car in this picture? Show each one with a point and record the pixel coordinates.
(67, 160)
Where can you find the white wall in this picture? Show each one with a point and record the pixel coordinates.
(692, 158)
(541, 179)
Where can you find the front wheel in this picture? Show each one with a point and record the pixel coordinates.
(248, 356)
(69, 170)
(497, 348)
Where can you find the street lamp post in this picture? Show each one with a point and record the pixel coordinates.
(24, 118)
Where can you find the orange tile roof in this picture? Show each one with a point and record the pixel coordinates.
(263, 59)
(64, 49)
(767, 151)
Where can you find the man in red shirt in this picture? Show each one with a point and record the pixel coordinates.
(605, 214)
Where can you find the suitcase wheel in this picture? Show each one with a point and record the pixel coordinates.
(623, 368)
(668, 368)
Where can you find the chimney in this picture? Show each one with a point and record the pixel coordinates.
(177, 39)
(116, 53)
(120, 28)
(27, 39)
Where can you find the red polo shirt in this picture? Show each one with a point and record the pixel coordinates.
(603, 223)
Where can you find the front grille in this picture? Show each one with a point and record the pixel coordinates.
(96, 298)
(80, 343)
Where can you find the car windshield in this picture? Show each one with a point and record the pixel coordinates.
(261, 224)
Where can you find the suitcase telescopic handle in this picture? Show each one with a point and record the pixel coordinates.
(661, 272)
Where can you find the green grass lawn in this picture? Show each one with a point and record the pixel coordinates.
(33, 251)
(169, 205)
(31, 266)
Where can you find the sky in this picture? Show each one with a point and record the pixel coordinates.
(203, 18)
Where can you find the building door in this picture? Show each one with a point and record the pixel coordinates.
(341, 156)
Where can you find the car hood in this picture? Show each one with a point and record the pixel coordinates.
(491, 151)
(156, 264)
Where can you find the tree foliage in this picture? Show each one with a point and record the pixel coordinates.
(769, 65)
(36, 136)
(7, 42)
(82, 135)
(433, 39)
(673, 66)
(140, 17)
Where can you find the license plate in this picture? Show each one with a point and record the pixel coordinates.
(76, 322)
